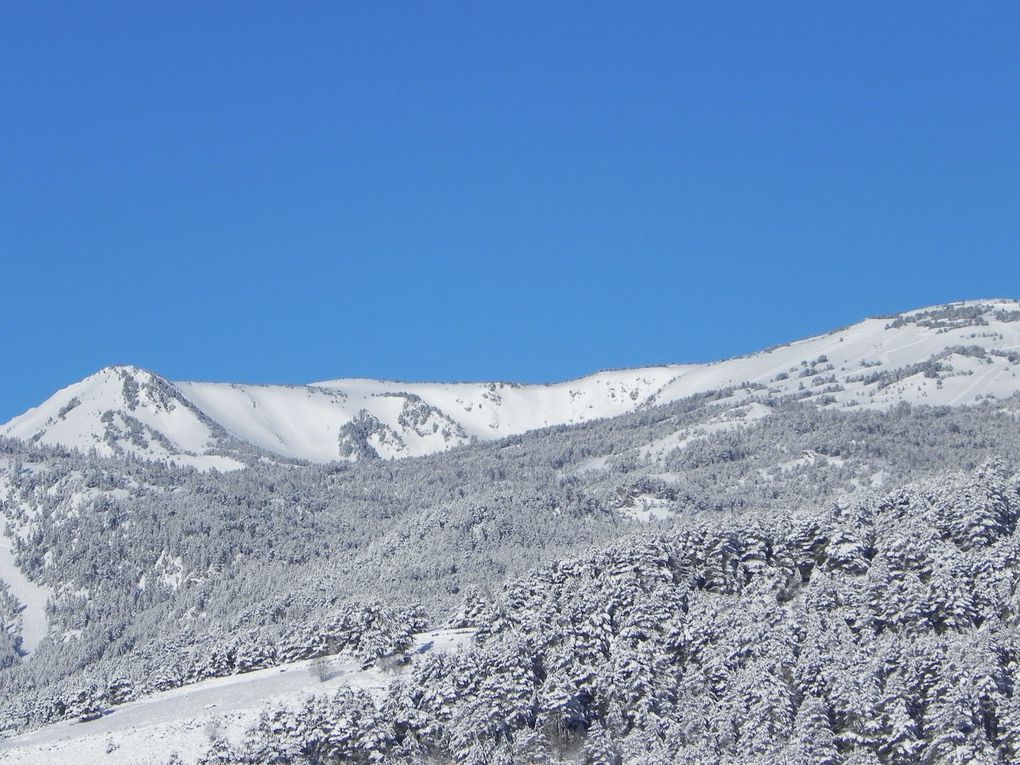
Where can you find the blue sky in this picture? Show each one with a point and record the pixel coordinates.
(530, 191)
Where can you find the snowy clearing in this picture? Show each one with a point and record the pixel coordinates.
(32, 596)
(183, 720)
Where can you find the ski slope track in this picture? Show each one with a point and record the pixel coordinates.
(953, 355)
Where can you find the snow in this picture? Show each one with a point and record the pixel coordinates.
(181, 720)
(728, 420)
(646, 508)
(810, 458)
(206, 462)
(32, 596)
(411, 419)
(305, 422)
(74, 417)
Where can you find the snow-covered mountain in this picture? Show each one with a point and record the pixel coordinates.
(954, 354)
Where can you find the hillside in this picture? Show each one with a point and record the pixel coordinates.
(861, 483)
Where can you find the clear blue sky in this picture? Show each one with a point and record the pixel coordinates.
(529, 191)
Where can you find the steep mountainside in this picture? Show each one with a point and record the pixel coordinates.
(951, 355)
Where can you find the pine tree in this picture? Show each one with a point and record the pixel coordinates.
(599, 748)
(899, 737)
(812, 741)
(532, 746)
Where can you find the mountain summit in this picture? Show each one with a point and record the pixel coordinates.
(953, 354)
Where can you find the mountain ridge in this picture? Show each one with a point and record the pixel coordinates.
(950, 354)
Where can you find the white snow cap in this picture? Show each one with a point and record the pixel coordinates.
(953, 354)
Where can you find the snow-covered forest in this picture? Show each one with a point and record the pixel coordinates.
(877, 630)
(747, 575)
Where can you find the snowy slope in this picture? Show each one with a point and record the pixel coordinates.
(953, 355)
(182, 720)
(123, 410)
(866, 359)
(31, 596)
(325, 421)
